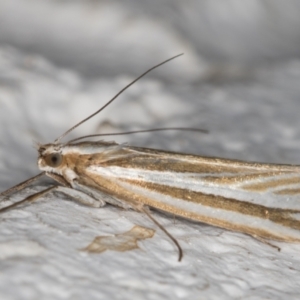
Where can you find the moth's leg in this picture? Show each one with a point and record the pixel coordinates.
(59, 179)
(21, 185)
(30, 198)
(76, 195)
(146, 211)
(76, 192)
(80, 197)
(103, 198)
(262, 240)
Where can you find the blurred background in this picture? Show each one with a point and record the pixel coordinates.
(108, 38)
(239, 78)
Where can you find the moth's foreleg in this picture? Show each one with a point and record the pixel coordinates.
(103, 197)
(80, 197)
(30, 198)
(58, 179)
(74, 194)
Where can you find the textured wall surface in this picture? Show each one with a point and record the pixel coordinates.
(239, 78)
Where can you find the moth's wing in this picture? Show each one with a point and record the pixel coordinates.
(258, 199)
(272, 185)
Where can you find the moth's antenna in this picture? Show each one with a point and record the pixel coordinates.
(139, 131)
(111, 100)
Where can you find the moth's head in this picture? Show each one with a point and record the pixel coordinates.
(50, 157)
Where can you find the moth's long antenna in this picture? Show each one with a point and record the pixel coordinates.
(139, 131)
(110, 101)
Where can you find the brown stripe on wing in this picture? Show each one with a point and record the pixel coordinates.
(148, 162)
(295, 191)
(192, 165)
(263, 186)
(158, 160)
(277, 215)
(225, 180)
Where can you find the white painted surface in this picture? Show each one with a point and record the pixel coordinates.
(254, 116)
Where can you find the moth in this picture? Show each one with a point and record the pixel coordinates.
(258, 199)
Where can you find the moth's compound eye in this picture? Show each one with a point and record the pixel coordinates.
(53, 160)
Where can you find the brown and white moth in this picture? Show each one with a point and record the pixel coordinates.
(258, 199)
